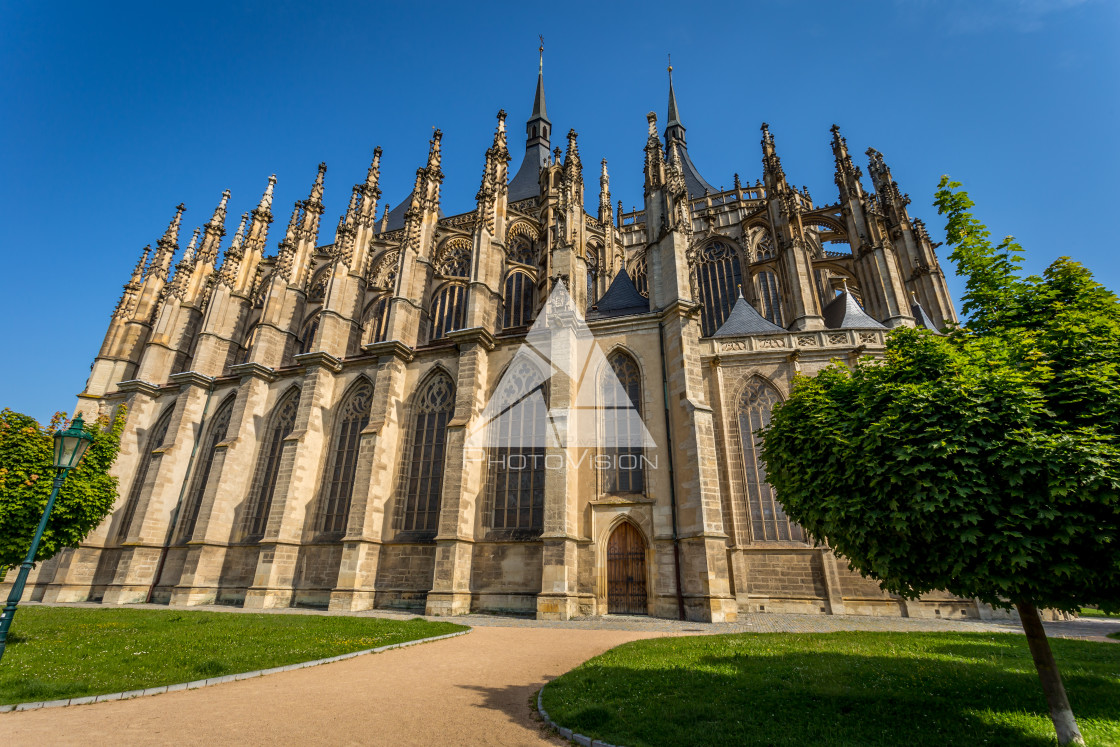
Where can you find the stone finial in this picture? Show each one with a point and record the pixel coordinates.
(265, 205)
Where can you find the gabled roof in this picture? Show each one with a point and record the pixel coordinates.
(921, 318)
(744, 320)
(621, 299)
(844, 312)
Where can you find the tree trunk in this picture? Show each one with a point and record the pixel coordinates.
(1060, 712)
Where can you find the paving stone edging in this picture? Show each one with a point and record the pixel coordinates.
(581, 739)
(217, 680)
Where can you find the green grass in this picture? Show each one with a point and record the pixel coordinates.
(1094, 612)
(835, 689)
(65, 652)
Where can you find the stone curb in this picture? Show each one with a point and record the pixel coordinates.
(217, 680)
(581, 739)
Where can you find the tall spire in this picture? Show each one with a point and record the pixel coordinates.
(127, 304)
(674, 117)
(771, 165)
(215, 230)
(538, 130)
(265, 206)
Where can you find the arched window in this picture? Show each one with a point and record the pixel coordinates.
(145, 459)
(520, 300)
(423, 468)
(516, 455)
(255, 517)
(620, 390)
(637, 273)
(768, 520)
(592, 274)
(338, 480)
(769, 297)
(521, 251)
(317, 288)
(454, 259)
(307, 334)
(375, 325)
(718, 278)
(215, 434)
(449, 310)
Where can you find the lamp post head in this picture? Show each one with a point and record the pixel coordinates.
(70, 445)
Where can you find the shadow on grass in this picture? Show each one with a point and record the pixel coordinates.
(774, 697)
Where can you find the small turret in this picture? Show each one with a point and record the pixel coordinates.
(772, 173)
(215, 230)
(127, 304)
(605, 216)
(655, 156)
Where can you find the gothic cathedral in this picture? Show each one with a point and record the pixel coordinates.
(297, 420)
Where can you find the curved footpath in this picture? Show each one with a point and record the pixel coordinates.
(473, 689)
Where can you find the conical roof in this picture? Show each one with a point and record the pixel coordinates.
(396, 215)
(921, 318)
(844, 312)
(621, 299)
(744, 320)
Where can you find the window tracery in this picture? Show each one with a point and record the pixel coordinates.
(519, 300)
(768, 521)
(517, 453)
(338, 480)
(147, 456)
(620, 390)
(718, 278)
(282, 423)
(449, 310)
(216, 433)
(422, 471)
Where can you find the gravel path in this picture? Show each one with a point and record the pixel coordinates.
(474, 689)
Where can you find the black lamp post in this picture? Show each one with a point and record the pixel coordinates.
(69, 446)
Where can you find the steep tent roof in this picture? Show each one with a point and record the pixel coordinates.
(396, 215)
(844, 312)
(744, 320)
(526, 182)
(674, 140)
(921, 318)
(621, 299)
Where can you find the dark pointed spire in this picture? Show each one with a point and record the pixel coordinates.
(920, 316)
(844, 312)
(674, 120)
(744, 319)
(538, 130)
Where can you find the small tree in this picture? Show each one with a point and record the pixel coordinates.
(985, 463)
(26, 472)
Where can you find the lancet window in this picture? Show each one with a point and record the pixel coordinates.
(516, 452)
(620, 393)
(154, 441)
(718, 277)
(768, 521)
(307, 334)
(766, 284)
(449, 309)
(637, 272)
(423, 468)
(592, 274)
(338, 480)
(521, 251)
(519, 300)
(376, 323)
(283, 421)
(215, 434)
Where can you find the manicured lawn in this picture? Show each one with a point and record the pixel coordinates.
(835, 689)
(64, 652)
(1093, 612)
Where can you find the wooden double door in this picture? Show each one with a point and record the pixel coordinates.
(626, 571)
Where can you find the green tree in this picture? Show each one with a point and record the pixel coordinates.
(986, 462)
(26, 472)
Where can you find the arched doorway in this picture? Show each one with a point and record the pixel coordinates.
(626, 571)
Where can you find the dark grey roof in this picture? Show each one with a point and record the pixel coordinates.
(844, 312)
(396, 215)
(744, 319)
(696, 184)
(526, 182)
(621, 298)
(921, 318)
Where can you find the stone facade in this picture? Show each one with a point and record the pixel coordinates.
(275, 403)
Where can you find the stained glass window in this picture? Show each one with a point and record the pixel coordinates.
(146, 457)
(255, 518)
(422, 471)
(338, 482)
(768, 521)
(215, 434)
(517, 452)
(718, 278)
(621, 398)
(520, 300)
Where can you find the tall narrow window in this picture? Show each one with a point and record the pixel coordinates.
(768, 521)
(520, 300)
(422, 471)
(255, 518)
(338, 482)
(307, 336)
(592, 274)
(718, 277)
(215, 434)
(517, 452)
(521, 251)
(449, 310)
(769, 296)
(621, 396)
(145, 459)
(377, 318)
(637, 272)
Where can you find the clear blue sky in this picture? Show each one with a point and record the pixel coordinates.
(113, 114)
